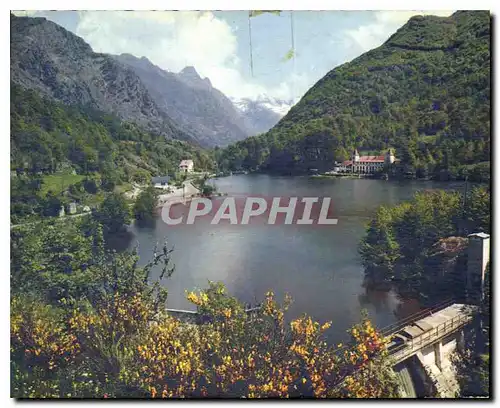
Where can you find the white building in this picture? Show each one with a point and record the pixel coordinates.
(72, 208)
(186, 166)
(366, 164)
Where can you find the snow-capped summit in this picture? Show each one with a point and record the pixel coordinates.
(262, 113)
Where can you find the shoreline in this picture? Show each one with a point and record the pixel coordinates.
(363, 176)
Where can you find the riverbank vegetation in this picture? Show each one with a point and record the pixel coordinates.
(145, 205)
(402, 245)
(90, 323)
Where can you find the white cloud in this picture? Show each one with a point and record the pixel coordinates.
(173, 40)
(24, 13)
(369, 36)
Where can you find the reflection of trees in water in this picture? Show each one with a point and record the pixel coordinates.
(146, 224)
(120, 241)
(379, 299)
(388, 300)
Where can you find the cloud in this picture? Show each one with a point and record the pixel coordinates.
(24, 13)
(173, 40)
(371, 35)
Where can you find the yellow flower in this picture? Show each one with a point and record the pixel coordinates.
(326, 326)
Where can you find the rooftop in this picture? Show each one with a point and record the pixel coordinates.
(481, 235)
(160, 179)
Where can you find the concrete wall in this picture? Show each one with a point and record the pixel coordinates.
(428, 355)
(478, 256)
(449, 345)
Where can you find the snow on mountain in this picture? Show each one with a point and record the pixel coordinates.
(262, 113)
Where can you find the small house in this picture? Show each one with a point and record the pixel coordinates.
(161, 182)
(186, 166)
(72, 208)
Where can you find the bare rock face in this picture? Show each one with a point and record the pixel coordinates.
(191, 101)
(59, 64)
(446, 266)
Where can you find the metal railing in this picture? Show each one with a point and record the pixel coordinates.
(437, 333)
(400, 324)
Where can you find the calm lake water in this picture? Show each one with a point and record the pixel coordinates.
(318, 266)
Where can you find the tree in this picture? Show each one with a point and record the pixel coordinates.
(114, 213)
(52, 205)
(145, 205)
(206, 189)
(399, 240)
(122, 346)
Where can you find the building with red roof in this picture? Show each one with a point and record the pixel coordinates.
(366, 164)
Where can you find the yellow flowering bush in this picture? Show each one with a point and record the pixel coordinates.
(123, 348)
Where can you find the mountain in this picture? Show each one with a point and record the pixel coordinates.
(263, 113)
(191, 101)
(425, 92)
(59, 64)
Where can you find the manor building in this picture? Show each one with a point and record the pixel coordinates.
(186, 166)
(366, 164)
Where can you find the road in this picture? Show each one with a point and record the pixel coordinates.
(179, 194)
(51, 218)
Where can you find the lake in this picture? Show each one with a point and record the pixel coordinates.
(318, 266)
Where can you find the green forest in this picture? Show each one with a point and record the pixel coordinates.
(419, 248)
(403, 245)
(63, 153)
(424, 92)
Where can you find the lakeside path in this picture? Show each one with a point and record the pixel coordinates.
(178, 196)
(66, 217)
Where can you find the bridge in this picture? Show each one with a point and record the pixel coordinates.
(192, 316)
(427, 328)
(420, 348)
(424, 343)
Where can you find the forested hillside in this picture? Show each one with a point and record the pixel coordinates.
(425, 92)
(51, 141)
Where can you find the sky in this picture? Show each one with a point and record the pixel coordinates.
(217, 43)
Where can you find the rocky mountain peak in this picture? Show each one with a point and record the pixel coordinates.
(190, 72)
